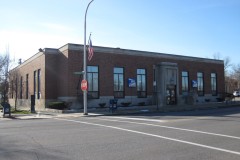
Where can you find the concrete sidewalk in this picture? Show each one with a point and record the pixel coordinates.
(49, 113)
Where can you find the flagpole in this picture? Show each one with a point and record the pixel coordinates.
(85, 64)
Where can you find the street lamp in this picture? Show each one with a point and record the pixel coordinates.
(85, 63)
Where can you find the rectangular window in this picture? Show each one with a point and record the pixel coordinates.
(118, 82)
(21, 87)
(39, 84)
(27, 86)
(16, 88)
(35, 83)
(141, 83)
(154, 80)
(214, 84)
(184, 82)
(200, 84)
(92, 78)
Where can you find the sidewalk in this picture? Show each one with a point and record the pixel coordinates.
(50, 113)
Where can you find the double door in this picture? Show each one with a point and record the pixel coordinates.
(171, 95)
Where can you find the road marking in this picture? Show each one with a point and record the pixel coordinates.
(138, 119)
(153, 135)
(175, 128)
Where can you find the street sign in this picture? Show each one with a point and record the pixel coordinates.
(132, 83)
(78, 73)
(84, 85)
(194, 84)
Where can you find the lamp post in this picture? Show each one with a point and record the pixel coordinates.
(85, 64)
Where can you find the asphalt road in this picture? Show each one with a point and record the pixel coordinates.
(198, 135)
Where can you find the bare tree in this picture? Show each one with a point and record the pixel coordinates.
(230, 81)
(227, 62)
(4, 67)
(14, 76)
(217, 55)
(236, 74)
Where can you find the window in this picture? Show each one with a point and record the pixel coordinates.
(21, 87)
(184, 81)
(214, 84)
(200, 84)
(154, 80)
(92, 78)
(118, 82)
(39, 84)
(141, 83)
(26, 86)
(16, 88)
(35, 83)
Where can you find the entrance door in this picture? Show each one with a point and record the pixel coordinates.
(171, 95)
(166, 77)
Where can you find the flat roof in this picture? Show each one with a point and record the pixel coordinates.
(100, 49)
(71, 46)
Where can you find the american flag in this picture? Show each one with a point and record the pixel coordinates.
(90, 49)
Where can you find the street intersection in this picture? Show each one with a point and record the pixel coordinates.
(208, 134)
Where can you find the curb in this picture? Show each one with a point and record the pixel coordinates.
(93, 112)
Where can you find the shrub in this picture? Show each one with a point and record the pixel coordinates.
(57, 105)
(207, 100)
(102, 105)
(141, 103)
(126, 104)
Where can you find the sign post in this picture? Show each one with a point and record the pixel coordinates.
(85, 63)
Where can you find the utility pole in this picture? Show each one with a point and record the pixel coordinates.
(85, 63)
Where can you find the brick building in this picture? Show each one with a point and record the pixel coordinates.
(128, 75)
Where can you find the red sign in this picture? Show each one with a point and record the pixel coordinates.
(84, 85)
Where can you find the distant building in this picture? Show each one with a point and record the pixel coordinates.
(128, 75)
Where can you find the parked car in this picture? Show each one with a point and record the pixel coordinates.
(236, 93)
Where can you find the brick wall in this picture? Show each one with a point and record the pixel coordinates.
(51, 76)
(58, 78)
(28, 67)
(107, 62)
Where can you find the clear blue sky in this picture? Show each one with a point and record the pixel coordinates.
(197, 28)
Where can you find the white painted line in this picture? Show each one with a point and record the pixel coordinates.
(144, 110)
(168, 127)
(138, 119)
(153, 135)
